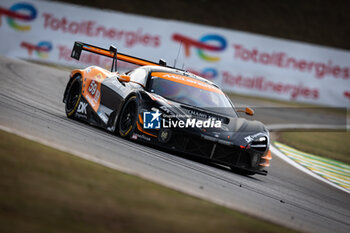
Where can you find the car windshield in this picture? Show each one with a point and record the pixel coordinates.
(190, 91)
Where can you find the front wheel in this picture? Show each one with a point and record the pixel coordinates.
(73, 96)
(127, 118)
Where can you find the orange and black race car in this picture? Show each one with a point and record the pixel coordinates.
(166, 107)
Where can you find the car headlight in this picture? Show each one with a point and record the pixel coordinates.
(259, 144)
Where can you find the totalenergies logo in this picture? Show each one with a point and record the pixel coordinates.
(19, 12)
(203, 45)
(207, 73)
(42, 49)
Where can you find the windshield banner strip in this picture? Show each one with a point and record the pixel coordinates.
(187, 81)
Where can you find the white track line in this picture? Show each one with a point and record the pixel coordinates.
(277, 152)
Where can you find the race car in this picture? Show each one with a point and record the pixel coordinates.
(166, 107)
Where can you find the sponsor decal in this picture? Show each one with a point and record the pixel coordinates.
(197, 114)
(207, 73)
(90, 100)
(93, 87)
(94, 93)
(187, 81)
(285, 61)
(135, 136)
(164, 135)
(82, 108)
(41, 49)
(250, 138)
(165, 109)
(218, 44)
(83, 116)
(19, 12)
(347, 94)
(151, 120)
(88, 70)
(203, 115)
(99, 77)
(86, 58)
(97, 96)
(95, 29)
(191, 123)
(260, 83)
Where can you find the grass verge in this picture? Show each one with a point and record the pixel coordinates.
(46, 190)
(334, 145)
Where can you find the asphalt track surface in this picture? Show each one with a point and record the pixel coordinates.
(31, 103)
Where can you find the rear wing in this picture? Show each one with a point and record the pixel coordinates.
(112, 53)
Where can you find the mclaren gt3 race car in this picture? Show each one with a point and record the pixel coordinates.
(166, 107)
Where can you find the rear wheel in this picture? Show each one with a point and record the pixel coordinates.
(127, 118)
(73, 96)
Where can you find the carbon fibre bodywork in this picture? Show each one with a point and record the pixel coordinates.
(238, 143)
(119, 103)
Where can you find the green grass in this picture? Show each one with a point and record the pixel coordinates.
(46, 190)
(334, 145)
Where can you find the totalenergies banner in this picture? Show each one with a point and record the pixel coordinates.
(238, 62)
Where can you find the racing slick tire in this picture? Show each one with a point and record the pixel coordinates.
(73, 96)
(127, 118)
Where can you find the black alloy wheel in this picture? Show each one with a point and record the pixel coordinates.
(128, 116)
(73, 97)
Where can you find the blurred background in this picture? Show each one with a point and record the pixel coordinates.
(323, 22)
(295, 51)
(46, 190)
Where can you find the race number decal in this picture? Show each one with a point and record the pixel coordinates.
(92, 87)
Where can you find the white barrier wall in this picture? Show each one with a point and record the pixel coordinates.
(239, 62)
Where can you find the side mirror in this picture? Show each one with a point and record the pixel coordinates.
(124, 78)
(248, 111)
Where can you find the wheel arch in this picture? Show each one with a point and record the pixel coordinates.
(70, 84)
(117, 112)
(72, 76)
